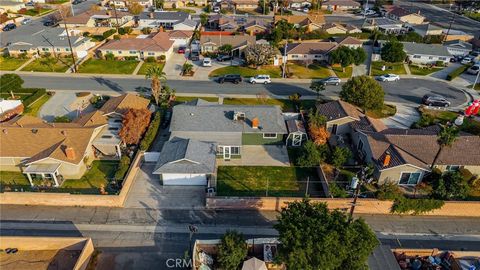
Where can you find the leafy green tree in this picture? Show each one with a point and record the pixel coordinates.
(446, 137)
(311, 155)
(225, 49)
(450, 186)
(187, 68)
(364, 92)
(232, 250)
(282, 30)
(259, 54)
(156, 74)
(266, 4)
(10, 82)
(359, 56)
(203, 18)
(318, 87)
(343, 56)
(316, 119)
(312, 237)
(393, 52)
(340, 156)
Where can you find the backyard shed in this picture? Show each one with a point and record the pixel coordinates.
(296, 132)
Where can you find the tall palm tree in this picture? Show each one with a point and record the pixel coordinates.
(156, 74)
(446, 137)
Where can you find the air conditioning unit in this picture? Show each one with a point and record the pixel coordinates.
(239, 116)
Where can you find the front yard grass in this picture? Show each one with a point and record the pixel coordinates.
(343, 74)
(35, 12)
(313, 71)
(273, 71)
(13, 180)
(186, 10)
(423, 71)
(181, 99)
(390, 68)
(254, 180)
(35, 107)
(431, 117)
(101, 66)
(386, 111)
(101, 172)
(285, 104)
(145, 66)
(37, 66)
(10, 63)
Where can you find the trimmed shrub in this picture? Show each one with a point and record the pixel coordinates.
(146, 30)
(62, 119)
(130, 58)
(122, 167)
(98, 37)
(457, 72)
(150, 59)
(162, 57)
(336, 191)
(108, 33)
(121, 31)
(109, 56)
(116, 37)
(151, 132)
(415, 206)
(86, 34)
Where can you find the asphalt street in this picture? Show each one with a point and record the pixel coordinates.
(406, 91)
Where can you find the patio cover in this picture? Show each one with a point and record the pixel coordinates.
(254, 264)
(42, 168)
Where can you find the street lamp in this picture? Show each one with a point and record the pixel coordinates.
(284, 59)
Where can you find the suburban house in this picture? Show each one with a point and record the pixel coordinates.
(166, 19)
(349, 42)
(10, 109)
(180, 37)
(58, 151)
(11, 6)
(239, 43)
(421, 53)
(405, 16)
(458, 47)
(155, 45)
(336, 28)
(126, 3)
(222, 23)
(384, 25)
(312, 22)
(401, 156)
(186, 25)
(427, 29)
(245, 4)
(340, 5)
(253, 27)
(456, 35)
(295, 4)
(50, 40)
(100, 18)
(308, 51)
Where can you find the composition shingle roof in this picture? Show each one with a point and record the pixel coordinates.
(345, 3)
(399, 12)
(301, 19)
(219, 118)
(235, 41)
(164, 15)
(426, 49)
(84, 17)
(160, 42)
(339, 109)
(311, 47)
(124, 102)
(46, 38)
(186, 156)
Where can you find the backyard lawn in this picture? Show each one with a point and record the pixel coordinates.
(390, 68)
(101, 66)
(143, 69)
(38, 66)
(386, 111)
(10, 63)
(423, 71)
(101, 173)
(343, 74)
(313, 71)
(35, 107)
(274, 72)
(286, 104)
(253, 181)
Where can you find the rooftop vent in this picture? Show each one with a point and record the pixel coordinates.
(34, 130)
(239, 116)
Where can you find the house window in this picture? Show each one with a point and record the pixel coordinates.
(453, 168)
(220, 150)
(294, 56)
(430, 57)
(360, 145)
(133, 52)
(58, 49)
(235, 150)
(318, 56)
(410, 178)
(151, 53)
(119, 52)
(45, 49)
(269, 135)
(443, 58)
(67, 49)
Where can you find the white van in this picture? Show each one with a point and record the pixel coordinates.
(207, 62)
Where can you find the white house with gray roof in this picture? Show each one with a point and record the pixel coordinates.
(165, 19)
(424, 54)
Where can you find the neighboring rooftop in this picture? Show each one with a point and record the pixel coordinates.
(164, 16)
(124, 102)
(47, 38)
(301, 19)
(84, 17)
(311, 47)
(345, 3)
(423, 48)
(160, 42)
(235, 41)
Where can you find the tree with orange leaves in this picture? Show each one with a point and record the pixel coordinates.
(319, 135)
(134, 124)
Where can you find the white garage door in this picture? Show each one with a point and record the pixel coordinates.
(184, 179)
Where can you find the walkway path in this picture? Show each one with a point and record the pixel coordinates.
(25, 64)
(138, 68)
(407, 69)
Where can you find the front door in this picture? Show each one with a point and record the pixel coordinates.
(334, 129)
(226, 152)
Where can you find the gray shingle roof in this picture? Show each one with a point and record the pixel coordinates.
(186, 156)
(46, 38)
(425, 49)
(165, 15)
(219, 118)
(458, 44)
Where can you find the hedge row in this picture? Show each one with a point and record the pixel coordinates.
(151, 132)
(39, 92)
(122, 167)
(415, 206)
(457, 72)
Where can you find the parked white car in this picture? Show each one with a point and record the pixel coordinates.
(389, 78)
(216, 9)
(369, 12)
(265, 79)
(305, 10)
(473, 69)
(26, 21)
(207, 62)
(466, 60)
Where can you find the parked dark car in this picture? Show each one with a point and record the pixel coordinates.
(181, 50)
(234, 78)
(9, 27)
(50, 23)
(222, 58)
(435, 100)
(194, 55)
(76, 2)
(31, 4)
(331, 81)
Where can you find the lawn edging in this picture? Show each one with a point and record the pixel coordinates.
(364, 206)
(67, 199)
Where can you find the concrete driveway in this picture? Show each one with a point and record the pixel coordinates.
(260, 155)
(173, 66)
(147, 193)
(58, 105)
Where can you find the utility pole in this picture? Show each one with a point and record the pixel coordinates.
(359, 182)
(69, 43)
(116, 17)
(306, 189)
(284, 60)
(476, 80)
(450, 25)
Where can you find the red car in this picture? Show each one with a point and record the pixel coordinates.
(181, 50)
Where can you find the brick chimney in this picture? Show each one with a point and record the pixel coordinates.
(255, 122)
(150, 15)
(70, 153)
(386, 159)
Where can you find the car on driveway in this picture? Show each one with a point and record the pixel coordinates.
(389, 78)
(26, 21)
(9, 27)
(369, 12)
(331, 81)
(194, 55)
(265, 79)
(181, 50)
(466, 60)
(234, 78)
(222, 58)
(207, 62)
(435, 100)
(473, 69)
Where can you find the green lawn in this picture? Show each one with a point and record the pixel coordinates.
(473, 15)
(390, 68)
(35, 12)
(387, 111)
(37, 66)
(274, 72)
(186, 10)
(143, 69)
(10, 63)
(101, 66)
(431, 117)
(14, 180)
(286, 104)
(253, 180)
(343, 74)
(17, 96)
(423, 71)
(101, 173)
(179, 100)
(35, 107)
(313, 71)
